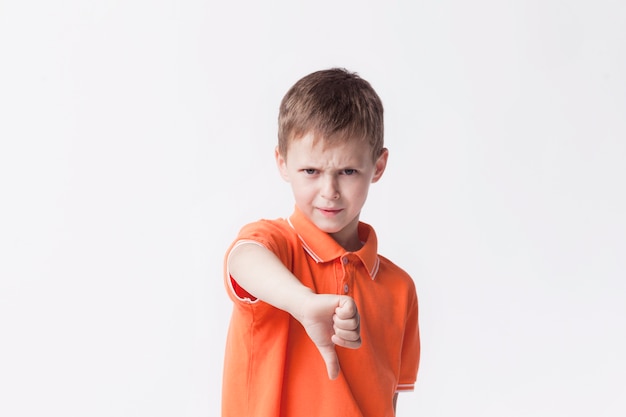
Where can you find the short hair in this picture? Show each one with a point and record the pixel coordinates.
(334, 105)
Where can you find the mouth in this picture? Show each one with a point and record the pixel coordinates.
(329, 212)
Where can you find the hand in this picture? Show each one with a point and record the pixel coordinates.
(331, 320)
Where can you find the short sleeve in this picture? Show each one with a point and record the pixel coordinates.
(410, 349)
(270, 234)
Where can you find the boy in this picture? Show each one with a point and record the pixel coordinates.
(322, 325)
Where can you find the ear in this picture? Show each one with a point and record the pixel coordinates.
(281, 163)
(380, 165)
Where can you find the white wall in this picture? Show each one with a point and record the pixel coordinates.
(137, 137)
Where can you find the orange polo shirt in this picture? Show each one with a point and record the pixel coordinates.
(272, 368)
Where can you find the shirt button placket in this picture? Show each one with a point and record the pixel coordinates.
(346, 274)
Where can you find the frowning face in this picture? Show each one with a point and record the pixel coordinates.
(330, 183)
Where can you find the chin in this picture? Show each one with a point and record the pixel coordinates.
(325, 227)
(328, 228)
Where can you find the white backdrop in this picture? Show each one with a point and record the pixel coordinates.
(137, 137)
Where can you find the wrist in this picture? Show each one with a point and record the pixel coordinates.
(298, 303)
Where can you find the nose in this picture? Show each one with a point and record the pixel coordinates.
(329, 188)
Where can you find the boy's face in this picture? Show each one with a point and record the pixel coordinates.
(330, 183)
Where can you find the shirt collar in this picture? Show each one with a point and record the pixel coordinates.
(323, 248)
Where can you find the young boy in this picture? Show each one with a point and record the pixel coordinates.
(322, 325)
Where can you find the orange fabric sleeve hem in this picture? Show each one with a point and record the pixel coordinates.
(405, 388)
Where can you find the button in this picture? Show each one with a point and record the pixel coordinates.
(344, 260)
(345, 288)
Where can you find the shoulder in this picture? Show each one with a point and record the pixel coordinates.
(393, 268)
(277, 235)
(278, 225)
(391, 272)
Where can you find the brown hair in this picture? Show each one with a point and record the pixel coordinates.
(334, 105)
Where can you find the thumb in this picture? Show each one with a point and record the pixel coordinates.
(330, 359)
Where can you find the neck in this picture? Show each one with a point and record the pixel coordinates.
(348, 238)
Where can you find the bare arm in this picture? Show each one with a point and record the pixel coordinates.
(327, 318)
(263, 275)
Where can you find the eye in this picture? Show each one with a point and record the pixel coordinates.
(309, 171)
(349, 171)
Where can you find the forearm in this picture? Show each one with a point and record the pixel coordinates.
(262, 274)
